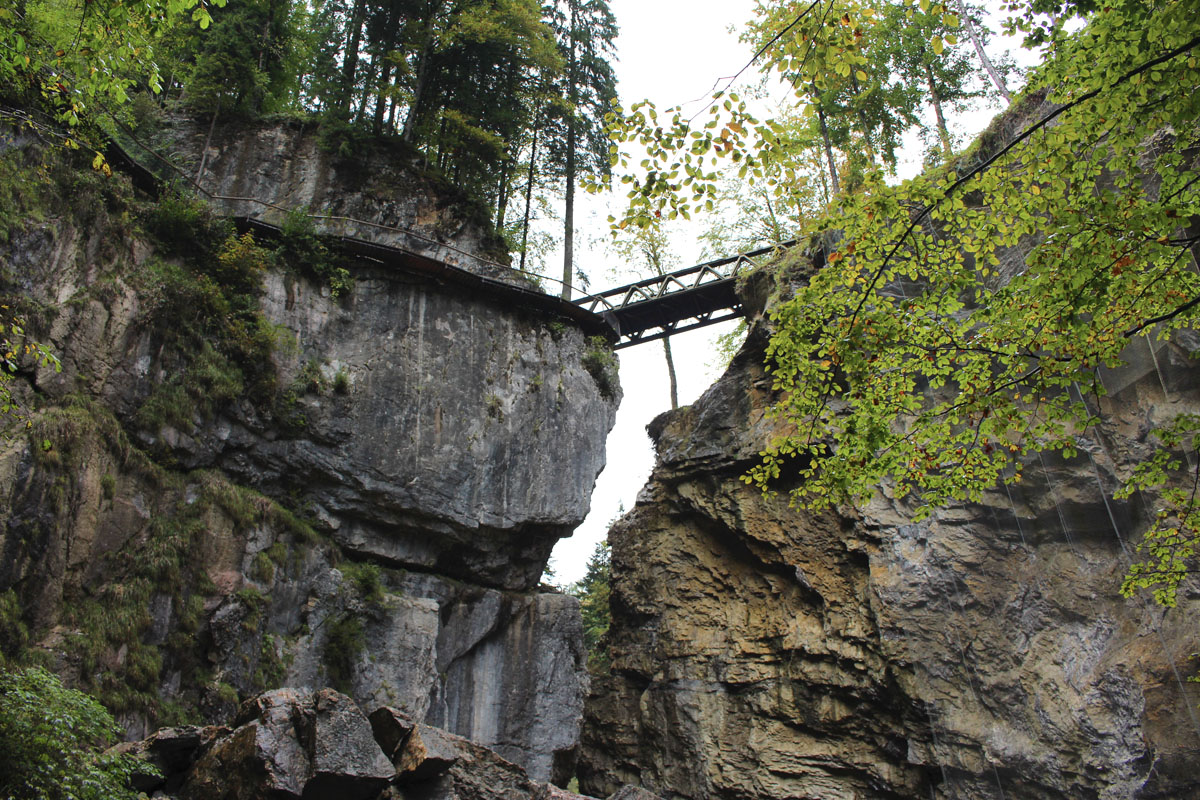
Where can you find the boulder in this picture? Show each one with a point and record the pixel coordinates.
(347, 763)
(172, 752)
(293, 743)
(475, 773)
(391, 728)
(428, 752)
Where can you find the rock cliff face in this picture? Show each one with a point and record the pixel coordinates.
(264, 170)
(761, 652)
(381, 527)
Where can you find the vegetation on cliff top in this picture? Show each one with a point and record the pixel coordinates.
(503, 97)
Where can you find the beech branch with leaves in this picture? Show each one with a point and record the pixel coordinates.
(961, 320)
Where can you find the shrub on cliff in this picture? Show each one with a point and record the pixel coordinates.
(51, 741)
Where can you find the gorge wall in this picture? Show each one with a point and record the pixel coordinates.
(358, 491)
(763, 652)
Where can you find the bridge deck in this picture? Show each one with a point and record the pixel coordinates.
(683, 300)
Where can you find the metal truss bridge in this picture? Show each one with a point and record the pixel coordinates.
(654, 308)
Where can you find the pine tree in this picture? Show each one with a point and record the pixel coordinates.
(241, 62)
(594, 591)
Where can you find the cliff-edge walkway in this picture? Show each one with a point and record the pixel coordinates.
(642, 311)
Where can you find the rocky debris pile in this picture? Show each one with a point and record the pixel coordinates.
(318, 745)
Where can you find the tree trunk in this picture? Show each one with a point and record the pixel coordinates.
(943, 131)
(671, 373)
(529, 189)
(569, 211)
(824, 182)
(988, 66)
(504, 187)
(866, 129)
(833, 178)
(441, 149)
(502, 194)
(381, 98)
(208, 140)
(350, 62)
(366, 95)
(423, 68)
(569, 215)
(773, 221)
(410, 120)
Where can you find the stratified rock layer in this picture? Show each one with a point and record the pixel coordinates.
(763, 652)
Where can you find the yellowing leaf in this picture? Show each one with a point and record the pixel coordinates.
(862, 76)
(937, 45)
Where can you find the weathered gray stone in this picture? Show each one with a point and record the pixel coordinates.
(534, 642)
(391, 728)
(427, 753)
(291, 743)
(261, 170)
(466, 443)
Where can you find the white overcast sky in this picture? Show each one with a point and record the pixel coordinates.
(671, 52)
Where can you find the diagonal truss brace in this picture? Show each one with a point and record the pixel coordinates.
(683, 300)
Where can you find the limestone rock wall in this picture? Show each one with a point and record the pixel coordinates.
(389, 541)
(368, 191)
(761, 652)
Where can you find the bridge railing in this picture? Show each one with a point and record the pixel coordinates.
(657, 286)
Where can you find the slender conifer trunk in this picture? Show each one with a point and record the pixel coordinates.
(988, 66)
(569, 210)
(671, 373)
(537, 122)
(943, 131)
(833, 178)
(350, 62)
